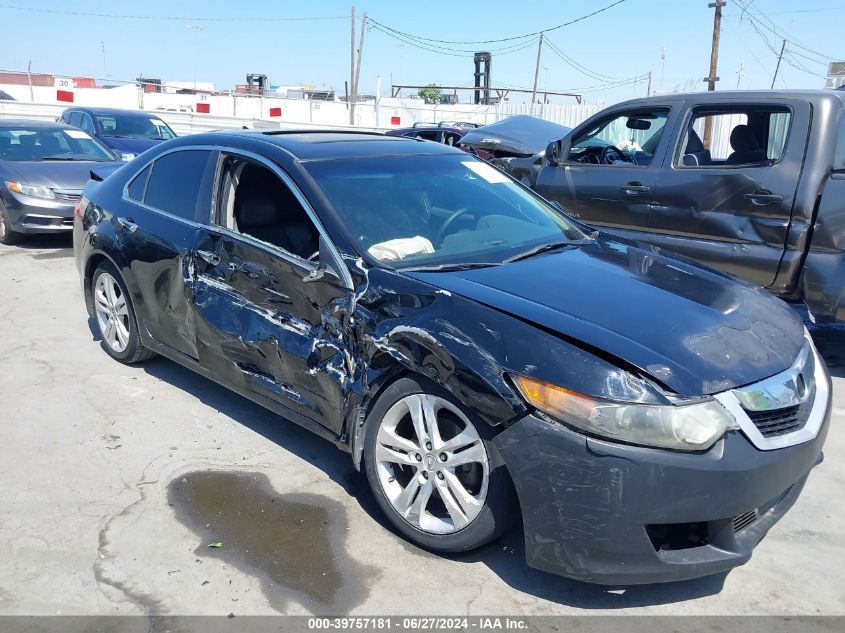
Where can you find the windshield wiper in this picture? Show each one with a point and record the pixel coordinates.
(61, 158)
(539, 249)
(448, 267)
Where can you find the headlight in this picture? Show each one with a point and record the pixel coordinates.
(36, 191)
(683, 426)
(127, 156)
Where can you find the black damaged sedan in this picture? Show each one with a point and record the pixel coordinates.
(479, 354)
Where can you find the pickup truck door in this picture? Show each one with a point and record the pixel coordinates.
(725, 198)
(607, 173)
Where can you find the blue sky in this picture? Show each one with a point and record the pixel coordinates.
(620, 43)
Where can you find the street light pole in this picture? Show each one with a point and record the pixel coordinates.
(195, 29)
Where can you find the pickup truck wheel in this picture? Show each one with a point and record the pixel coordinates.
(430, 465)
(115, 316)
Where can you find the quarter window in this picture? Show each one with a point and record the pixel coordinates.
(175, 181)
(751, 136)
(138, 185)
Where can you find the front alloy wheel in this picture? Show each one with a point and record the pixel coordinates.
(429, 462)
(432, 464)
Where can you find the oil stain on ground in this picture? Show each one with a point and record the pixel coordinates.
(294, 542)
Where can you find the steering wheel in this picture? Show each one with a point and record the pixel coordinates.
(611, 152)
(441, 234)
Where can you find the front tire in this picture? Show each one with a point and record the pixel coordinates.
(7, 235)
(433, 469)
(115, 317)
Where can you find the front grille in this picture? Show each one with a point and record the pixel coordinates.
(67, 197)
(744, 520)
(776, 422)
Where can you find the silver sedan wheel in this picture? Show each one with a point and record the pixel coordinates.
(112, 312)
(432, 464)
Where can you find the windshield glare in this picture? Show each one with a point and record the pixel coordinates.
(437, 210)
(35, 144)
(134, 127)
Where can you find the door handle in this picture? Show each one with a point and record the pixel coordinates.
(209, 257)
(763, 197)
(635, 188)
(250, 270)
(128, 224)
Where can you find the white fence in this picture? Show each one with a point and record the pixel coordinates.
(188, 113)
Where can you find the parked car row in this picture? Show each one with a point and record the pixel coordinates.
(44, 166)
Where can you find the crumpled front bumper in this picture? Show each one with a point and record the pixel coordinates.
(610, 513)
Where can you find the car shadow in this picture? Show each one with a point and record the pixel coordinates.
(505, 557)
(62, 241)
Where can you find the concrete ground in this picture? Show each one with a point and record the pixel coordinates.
(112, 476)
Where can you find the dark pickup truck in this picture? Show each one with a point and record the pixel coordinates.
(750, 183)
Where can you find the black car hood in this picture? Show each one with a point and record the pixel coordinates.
(525, 135)
(57, 174)
(694, 330)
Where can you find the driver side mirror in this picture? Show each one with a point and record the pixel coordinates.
(325, 266)
(553, 153)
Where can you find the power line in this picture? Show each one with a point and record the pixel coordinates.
(502, 39)
(453, 52)
(88, 14)
(578, 66)
(776, 30)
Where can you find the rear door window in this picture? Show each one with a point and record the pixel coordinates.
(734, 136)
(176, 182)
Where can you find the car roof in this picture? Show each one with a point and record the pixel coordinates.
(308, 145)
(33, 123)
(111, 111)
(815, 96)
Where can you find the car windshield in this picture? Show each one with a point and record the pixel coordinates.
(438, 211)
(133, 126)
(21, 144)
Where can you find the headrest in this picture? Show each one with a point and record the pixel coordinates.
(694, 143)
(255, 209)
(743, 139)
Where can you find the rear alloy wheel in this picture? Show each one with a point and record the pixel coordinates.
(430, 469)
(7, 235)
(115, 317)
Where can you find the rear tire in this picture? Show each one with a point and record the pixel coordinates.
(115, 317)
(7, 235)
(433, 469)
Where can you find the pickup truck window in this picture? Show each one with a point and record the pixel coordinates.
(839, 156)
(733, 137)
(625, 138)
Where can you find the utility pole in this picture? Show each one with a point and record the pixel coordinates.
(648, 88)
(350, 102)
(712, 78)
(536, 72)
(358, 60)
(780, 57)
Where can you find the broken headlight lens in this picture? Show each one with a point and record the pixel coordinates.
(684, 426)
